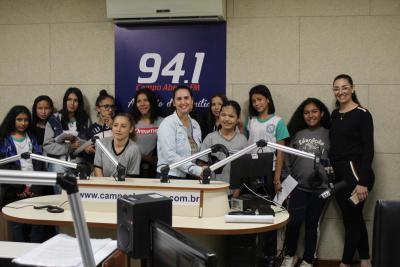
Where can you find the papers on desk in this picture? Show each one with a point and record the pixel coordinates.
(287, 187)
(249, 218)
(63, 251)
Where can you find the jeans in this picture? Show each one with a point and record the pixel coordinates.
(22, 232)
(309, 208)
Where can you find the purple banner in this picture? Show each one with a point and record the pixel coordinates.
(162, 56)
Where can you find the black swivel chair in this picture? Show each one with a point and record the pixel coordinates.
(386, 234)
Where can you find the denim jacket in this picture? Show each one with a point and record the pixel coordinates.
(173, 145)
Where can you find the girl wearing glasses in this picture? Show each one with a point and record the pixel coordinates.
(105, 108)
(352, 152)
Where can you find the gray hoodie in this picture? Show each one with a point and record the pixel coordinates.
(314, 141)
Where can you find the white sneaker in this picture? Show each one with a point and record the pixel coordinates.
(288, 261)
(305, 264)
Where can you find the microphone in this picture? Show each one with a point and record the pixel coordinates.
(213, 159)
(333, 188)
(220, 148)
(316, 179)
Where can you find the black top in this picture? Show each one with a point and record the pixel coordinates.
(39, 134)
(352, 139)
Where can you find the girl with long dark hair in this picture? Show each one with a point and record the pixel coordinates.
(147, 117)
(264, 124)
(217, 100)
(71, 123)
(309, 132)
(16, 137)
(42, 109)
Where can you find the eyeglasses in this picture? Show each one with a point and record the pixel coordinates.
(343, 88)
(108, 106)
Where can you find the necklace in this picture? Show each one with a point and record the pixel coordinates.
(343, 114)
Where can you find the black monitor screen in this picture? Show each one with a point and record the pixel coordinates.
(172, 249)
(251, 166)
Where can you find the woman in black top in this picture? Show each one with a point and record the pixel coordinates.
(352, 151)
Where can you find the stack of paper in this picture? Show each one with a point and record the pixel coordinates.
(287, 187)
(63, 251)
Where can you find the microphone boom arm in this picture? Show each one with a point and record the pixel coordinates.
(215, 148)
(64, 163)
(121, 169)
(26, 155)
(10, 159)
(67, 182)
(261, 143)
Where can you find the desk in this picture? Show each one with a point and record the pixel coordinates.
(204, 216)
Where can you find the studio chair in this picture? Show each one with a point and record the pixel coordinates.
(386, 234)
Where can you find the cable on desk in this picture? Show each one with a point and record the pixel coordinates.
(50, 208)
(266, 199)
(63, 203)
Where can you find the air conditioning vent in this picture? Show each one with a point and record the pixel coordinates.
(156, 11)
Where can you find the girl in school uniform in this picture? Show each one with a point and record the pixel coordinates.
(16, 137)
(264, 124)
(72, 121)
(105, 108)
(228, 136)
(121, 146)
(42, 109)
